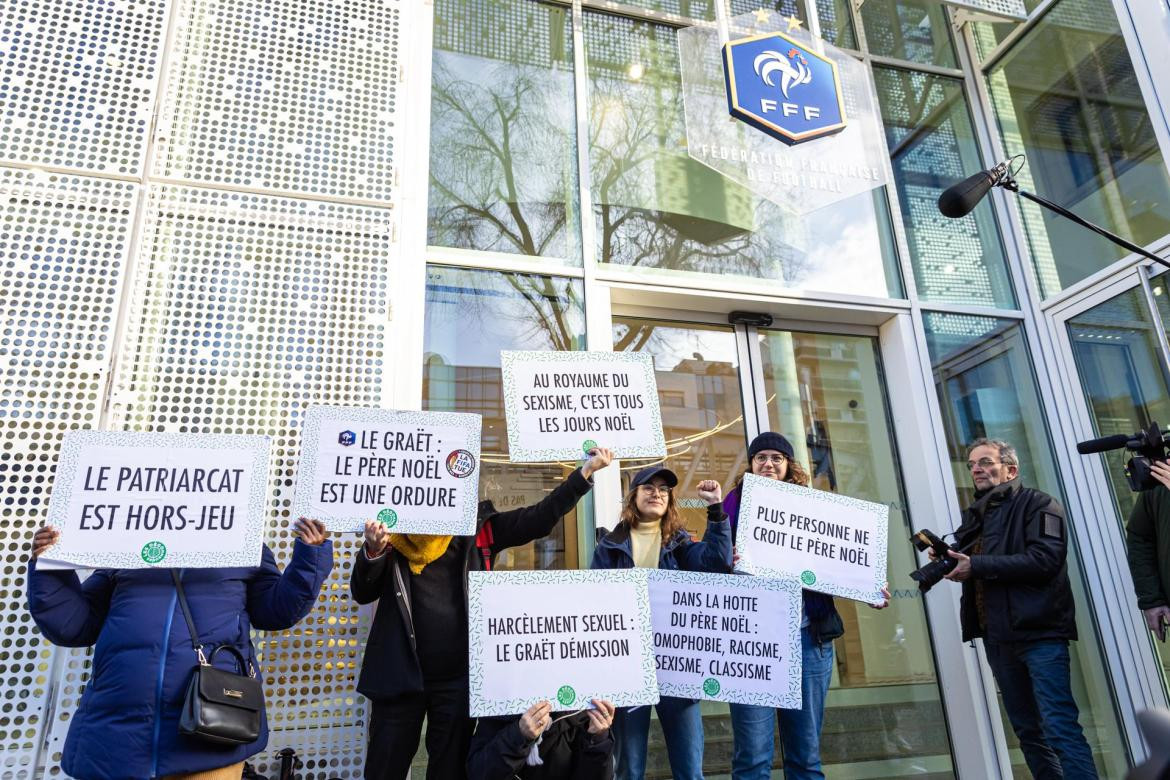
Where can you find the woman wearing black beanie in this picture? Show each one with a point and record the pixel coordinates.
(772, 456)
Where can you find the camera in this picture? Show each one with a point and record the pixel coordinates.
(1148, 446)
(932, 573)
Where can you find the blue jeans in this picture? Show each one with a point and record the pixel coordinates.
(682, 726)
(1033, 678)
(800, 730)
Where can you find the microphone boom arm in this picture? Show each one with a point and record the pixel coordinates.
(1009, 183)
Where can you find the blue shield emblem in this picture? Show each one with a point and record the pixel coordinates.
(346, 438)
(781, 87)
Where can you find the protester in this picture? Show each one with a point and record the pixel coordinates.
(573, 746)
(650, 534)
(770, 455)
(416, 658)
(1147, 539)
(1017, 598)
(127, 723)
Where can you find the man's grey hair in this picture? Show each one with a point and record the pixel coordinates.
(1007, 453)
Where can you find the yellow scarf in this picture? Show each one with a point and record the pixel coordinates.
(419, 549)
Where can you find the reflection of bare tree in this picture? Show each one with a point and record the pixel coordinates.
(501, 163)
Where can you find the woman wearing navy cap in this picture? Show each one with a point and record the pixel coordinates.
(650, 534)
(771, 455)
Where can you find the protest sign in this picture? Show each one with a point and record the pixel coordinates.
(727, 638)
(561, 636)
(560, 405)
(141, 500)
(828, 542)
(416, 472)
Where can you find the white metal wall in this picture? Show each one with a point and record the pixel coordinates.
(201, 232)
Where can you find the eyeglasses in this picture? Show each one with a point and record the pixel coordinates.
(983, 463)
(776, 459)
(655, 490)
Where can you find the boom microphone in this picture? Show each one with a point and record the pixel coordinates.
(959, 199)
(1104, 444)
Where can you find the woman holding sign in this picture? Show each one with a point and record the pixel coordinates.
(650, 534)
(539, 745)
(770, 455)
(127, 724)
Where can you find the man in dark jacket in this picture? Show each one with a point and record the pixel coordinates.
(416, 659)
(1147, 540)
(1017, 598)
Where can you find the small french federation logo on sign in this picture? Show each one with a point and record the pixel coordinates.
(346, 438)
(780, 86)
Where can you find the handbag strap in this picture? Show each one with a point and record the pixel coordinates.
(187, 616)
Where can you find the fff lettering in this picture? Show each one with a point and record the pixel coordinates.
(789, 109)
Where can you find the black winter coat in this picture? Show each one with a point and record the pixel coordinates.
(1147, 540)
(390, 666)
(569, 752)
(1026, 592)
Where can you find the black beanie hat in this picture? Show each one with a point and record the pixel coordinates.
(771, 441)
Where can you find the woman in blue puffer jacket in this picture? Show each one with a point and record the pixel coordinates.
(127, 723)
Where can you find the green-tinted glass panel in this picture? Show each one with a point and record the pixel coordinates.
(470, 317)
(694, 9)
(986, 388)
(914, 30)
(1066, 96)
(656, 208)
(833, 15)
(932, 145)
(1125, 382)
(503, 172)
(826, 393)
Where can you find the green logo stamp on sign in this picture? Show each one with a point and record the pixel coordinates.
(710, 686)
(388, 518)
(807, 577)
(587, 445)
(153, 552)
(566, 695)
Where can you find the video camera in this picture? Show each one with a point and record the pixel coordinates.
(1148, 446)
(932, 573)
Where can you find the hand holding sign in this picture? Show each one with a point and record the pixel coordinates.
(599, 458)
(535, 720)
(601, 719)
(310, 531)
(45, 537)
(377, 536)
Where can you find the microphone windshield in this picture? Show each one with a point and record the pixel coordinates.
(958, 199)
(1104, 444)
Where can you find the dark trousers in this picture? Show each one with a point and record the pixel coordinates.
(396, 724)
(1034, 680)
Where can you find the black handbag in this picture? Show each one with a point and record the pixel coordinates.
(220, 707)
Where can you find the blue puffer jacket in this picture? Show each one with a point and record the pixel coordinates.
(127, 723)
(713, 554)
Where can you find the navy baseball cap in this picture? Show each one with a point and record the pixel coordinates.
(650, 472)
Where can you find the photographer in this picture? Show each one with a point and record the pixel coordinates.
(1017, 597)
(1147, 540)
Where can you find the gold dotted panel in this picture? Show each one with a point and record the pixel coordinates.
(63, 245)
(284, 95)
(246, 309)
(78, 82)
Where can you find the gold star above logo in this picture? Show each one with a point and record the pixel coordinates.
(762, 15)
(793, 23)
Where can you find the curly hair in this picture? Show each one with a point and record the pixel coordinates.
(672, 521)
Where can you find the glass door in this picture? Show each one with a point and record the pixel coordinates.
(826, 393)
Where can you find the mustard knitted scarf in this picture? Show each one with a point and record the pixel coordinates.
(419, 549)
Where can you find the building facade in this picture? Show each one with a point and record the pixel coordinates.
(218, 213)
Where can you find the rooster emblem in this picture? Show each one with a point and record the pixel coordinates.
(794, 69)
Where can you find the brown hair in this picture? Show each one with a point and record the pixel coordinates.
(671, 521)
(795, 474)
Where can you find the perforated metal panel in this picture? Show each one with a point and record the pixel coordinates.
(63, 245)
(283, 95)
(77, 82)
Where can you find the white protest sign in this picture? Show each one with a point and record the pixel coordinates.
(725, 637)
(561, 636)
(416, 472)
(560, 405)
(828, 542)
(142, 500)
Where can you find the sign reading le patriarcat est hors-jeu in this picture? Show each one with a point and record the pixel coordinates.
(415, 472)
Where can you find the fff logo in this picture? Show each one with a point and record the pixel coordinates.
(346, 438)
(783, 88)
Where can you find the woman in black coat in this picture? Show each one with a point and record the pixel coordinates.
(573, 747)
